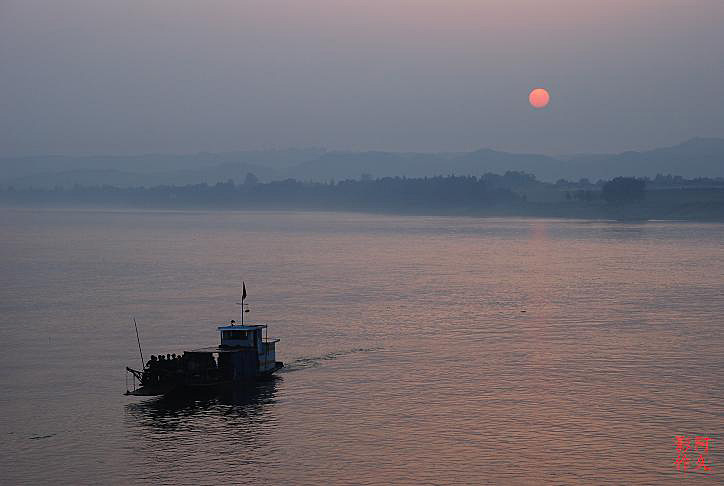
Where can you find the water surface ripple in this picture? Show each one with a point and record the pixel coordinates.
(421, 350)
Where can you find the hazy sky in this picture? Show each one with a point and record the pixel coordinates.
(122, 76)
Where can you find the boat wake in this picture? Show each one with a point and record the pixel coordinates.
(37, 437)
(304, 363)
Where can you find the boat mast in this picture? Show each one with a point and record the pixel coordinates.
(241, 304)
(143, 363)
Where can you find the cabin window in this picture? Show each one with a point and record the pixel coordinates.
(234, 335)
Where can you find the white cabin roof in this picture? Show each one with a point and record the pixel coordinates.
(216, 349)
(252, 327)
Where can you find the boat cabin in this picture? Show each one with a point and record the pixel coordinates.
(250, 337)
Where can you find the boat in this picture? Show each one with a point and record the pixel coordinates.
(245, 354)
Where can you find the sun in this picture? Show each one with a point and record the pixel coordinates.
(539, 98)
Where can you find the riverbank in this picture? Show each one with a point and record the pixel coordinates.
(449, 196)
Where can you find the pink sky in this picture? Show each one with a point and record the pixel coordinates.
(91, 76)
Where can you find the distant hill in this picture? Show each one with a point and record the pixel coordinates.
(149, 169)
(698, 157)
(487, 160)
(110, 177)
(351, 165)
(345, 165)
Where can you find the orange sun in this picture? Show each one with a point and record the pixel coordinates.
(539, 98)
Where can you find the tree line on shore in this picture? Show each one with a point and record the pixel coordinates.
(385, 192)
(510, 190)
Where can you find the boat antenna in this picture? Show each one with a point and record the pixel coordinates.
(143, 362)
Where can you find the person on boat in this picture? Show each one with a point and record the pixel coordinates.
(150, 373)
(182, 362)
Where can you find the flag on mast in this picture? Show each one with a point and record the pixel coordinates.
(243, 291)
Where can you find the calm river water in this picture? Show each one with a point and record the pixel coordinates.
(419, 350)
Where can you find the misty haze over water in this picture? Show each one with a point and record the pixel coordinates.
(694, 158)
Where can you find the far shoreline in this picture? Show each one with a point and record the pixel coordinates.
(462, 213)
